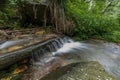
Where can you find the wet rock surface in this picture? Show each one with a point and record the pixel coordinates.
(75, 61)
(80, 71)
(107, 54)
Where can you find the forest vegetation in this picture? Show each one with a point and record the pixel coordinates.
(79, 19)
(92, 18)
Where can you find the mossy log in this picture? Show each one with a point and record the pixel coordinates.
(10, 58)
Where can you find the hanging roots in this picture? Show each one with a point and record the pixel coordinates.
(61, 22)
(35, 11)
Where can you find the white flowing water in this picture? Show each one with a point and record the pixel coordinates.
(11, 43)
(107, 54)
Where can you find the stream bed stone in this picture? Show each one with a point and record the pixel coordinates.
(80, 71)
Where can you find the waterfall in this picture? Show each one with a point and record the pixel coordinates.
(66, 48)
(45, 54)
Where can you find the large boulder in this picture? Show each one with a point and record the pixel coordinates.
(80, 71)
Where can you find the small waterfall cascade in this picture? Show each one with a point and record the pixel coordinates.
(107, 54)
(44, 55)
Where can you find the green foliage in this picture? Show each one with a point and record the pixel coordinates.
(114, 36)
(91, 25)
(3, 4)
(8, 73)
(8, 15)
(89, 18)
(13, 1)
(118, 17)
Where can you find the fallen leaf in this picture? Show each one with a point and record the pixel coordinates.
(20, 69)
(40, 32)
(14, 48)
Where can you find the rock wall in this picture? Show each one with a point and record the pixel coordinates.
(46, 13)
(34, 13)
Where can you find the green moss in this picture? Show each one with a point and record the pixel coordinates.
(87, 71)
(80, 71)
(8, 73)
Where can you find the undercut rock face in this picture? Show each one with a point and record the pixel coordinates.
(46, 13)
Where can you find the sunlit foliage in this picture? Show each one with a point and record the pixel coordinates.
(89, 18)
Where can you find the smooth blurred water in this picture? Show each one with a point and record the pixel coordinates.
(11, 43)
(65, 49)
(107, 54)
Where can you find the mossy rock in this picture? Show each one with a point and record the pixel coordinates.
(80, 71)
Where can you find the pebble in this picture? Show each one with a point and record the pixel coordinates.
(81, 69)
(99, 76)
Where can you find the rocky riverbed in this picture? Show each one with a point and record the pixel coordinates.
(80, 71)
(88, 60)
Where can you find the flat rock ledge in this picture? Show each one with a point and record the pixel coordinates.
(80, 71)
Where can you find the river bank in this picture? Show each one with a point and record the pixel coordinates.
(75, 71)
(86, 51)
